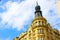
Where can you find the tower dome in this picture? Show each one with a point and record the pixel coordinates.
(38, 12)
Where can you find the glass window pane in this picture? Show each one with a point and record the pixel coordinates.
(40, 38)
(40, 31)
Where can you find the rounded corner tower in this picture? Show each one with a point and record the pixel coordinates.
(38, 16)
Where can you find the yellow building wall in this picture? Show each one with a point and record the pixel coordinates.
(40, 30)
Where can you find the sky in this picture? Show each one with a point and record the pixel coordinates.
(17, 15)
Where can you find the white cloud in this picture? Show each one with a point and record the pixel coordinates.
(18, 14)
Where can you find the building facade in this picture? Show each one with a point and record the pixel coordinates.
(39, 29)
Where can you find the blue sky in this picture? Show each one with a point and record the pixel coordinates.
(17, 15)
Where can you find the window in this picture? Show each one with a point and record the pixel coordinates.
(40, 31)
(40, 38)
(37, 23)
(34, 33)
(29, 31)
(29, 36)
